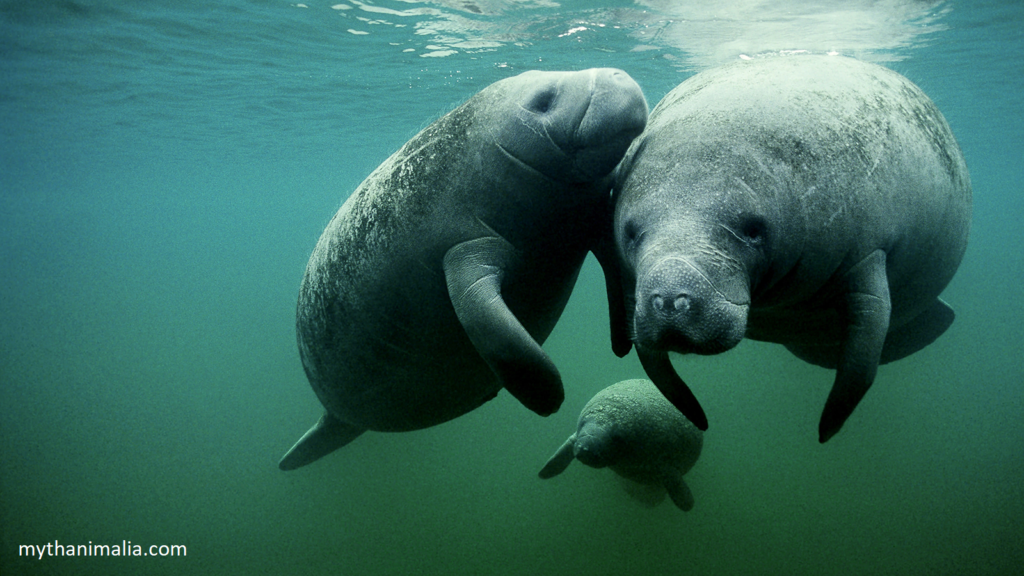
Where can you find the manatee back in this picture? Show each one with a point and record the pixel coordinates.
(378, 336)
(845, 156)
(375, 326)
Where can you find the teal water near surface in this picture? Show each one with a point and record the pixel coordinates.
(166, 169)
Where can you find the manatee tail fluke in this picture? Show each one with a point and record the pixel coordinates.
(326, 436)
(646, 495)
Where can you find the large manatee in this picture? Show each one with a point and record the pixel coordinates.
(814, 201)
(631, 428)
(438, 279)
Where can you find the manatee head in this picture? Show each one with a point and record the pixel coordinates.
(693, 239)
(597, 444)
(569, 126)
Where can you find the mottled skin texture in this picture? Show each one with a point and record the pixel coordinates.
(631, 428)
(818, 202)
(438, 279)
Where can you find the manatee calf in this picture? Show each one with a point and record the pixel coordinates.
(438, 279)
(631, 428)
(818, 202)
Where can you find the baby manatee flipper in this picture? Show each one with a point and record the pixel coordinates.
(866, 309)
(474, 271)
(560, 460)
(326, 436)
(659, 369)
(679, 492)
(918, 333)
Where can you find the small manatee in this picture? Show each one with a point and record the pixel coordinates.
(631, 428)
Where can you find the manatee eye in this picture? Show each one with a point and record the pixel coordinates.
(631, 241)
(630, 233)
(754, 230)
(542, 100)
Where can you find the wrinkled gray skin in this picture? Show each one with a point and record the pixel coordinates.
(438, 279)
(818, 202)
(631, 428)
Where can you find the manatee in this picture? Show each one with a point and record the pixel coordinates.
(631, 428)
(437, 281)
(817, 202)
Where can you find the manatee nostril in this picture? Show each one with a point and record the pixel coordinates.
(672, 304)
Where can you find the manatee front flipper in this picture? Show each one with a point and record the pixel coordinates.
(474, 271)
(560, 460)
(865, 310)
(326, 436)
(679, 492)
(918, 333)
(659, 369)
(607, 256)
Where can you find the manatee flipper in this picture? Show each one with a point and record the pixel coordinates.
(560, 460)
(865, 311)
(918, 333)
(899, 343)
(679, 492)
(607, 256)
(474, 271)
(659, 369)
(326, 436)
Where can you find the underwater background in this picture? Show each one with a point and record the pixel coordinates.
(167, 167)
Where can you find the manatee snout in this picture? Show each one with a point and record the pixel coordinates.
(594, 446)
(572, 126)
(678, 309)
(617, 108)
(615, 115)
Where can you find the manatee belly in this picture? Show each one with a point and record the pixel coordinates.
(380, 341)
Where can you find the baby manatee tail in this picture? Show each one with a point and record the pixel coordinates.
(326, 436)
(646, 495)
